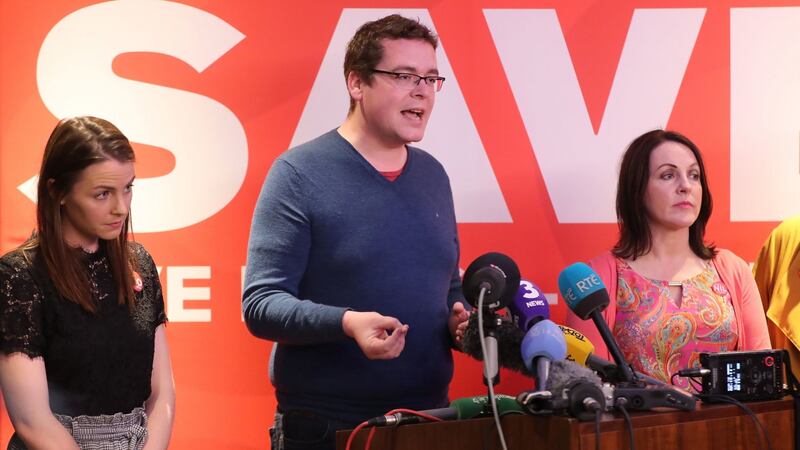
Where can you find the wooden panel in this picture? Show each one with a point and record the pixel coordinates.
(710, 427)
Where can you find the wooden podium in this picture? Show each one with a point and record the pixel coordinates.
(710, 427)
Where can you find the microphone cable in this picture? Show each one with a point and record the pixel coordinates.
(492, 400)
(733, 401)
(367, 423)
(597, 415)
(693, 374)
(355, 432)
(628, 422)
(490, 430)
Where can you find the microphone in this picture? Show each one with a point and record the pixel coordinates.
(493, 278)
(448, 413)
(509, 340)
(463, 408)
(471, 407)
(542, 344)
(529, 306)
(577, 388)
(579, 350)
(495, 273)
(586, 296)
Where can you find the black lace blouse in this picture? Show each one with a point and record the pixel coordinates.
(96, 363)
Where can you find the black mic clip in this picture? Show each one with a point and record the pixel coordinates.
(537, 402)
(581, 400)
(636, 397)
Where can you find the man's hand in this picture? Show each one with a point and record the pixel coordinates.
(457, 322)
(379, 337)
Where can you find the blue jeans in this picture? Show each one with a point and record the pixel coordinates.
(304, 430)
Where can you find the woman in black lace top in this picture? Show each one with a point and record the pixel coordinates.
(84, 360)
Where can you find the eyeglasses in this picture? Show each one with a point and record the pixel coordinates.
(411, 80)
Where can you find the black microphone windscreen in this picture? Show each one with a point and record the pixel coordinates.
(496, 272)
(509, 339)
(596, 301)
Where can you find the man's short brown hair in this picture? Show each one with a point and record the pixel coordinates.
(365, 51)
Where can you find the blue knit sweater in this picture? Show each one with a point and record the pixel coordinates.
(330, 233)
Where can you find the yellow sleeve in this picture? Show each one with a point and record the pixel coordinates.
(765, 268)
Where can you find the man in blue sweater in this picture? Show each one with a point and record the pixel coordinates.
(352, 265)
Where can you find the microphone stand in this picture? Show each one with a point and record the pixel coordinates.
(491, 371)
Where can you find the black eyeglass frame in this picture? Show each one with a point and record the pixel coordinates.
(439, 81)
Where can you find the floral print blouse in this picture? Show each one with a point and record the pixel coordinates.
(660, 336)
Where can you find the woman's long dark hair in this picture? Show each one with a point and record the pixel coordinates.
(74, 145)
(635, 238)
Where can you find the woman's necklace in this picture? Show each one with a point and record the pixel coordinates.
(85, 250)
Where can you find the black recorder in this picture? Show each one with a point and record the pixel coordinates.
(745, 376)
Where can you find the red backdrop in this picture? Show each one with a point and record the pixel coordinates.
(541, 98)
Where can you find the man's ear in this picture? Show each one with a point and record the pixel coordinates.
(355, 86)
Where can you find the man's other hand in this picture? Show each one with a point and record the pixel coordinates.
(457, 323)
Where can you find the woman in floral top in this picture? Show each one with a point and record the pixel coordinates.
(673, 295)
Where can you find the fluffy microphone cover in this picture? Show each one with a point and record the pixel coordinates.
(571, 385)
(509, 338)
(563, 373)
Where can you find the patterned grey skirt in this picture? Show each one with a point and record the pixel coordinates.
(105, 432)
